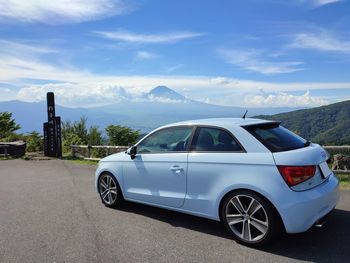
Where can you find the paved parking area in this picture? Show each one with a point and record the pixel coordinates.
(49, 212)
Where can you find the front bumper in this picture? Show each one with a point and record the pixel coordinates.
(306, 208)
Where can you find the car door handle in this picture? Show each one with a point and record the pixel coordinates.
(176, 168)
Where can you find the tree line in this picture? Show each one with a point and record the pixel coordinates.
(73, 133)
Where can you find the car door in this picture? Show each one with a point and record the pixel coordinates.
(158, 172)
(214, 156)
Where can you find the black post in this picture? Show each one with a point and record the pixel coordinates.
(51, 124)
(46, 145)
(58, 136)
(52, 129)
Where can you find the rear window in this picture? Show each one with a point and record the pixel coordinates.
(276, 138)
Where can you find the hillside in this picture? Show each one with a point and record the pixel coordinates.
(326, 125)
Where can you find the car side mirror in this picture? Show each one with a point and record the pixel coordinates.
(132, 152)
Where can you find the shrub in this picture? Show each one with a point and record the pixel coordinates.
(34, 142)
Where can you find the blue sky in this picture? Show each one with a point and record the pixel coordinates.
(237, 53)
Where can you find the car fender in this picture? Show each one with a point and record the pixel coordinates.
(114, 168)
(249, 187)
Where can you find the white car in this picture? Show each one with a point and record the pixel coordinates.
(255, 176)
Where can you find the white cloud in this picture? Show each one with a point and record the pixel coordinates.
(253, 60)
(24, 49)
(283, 99)
(102, 90)
(5, 90)
(14, 69)
(20, 60)
(60, 11)
(324, 2)
(82, 88)
(71, 94)
(164, 100)
(86, 94)
(6, 94)
(144, 55)
(321, 41)
(77, 87)
(231, 83)
(174, 68)
(317, 3)
(125, 36)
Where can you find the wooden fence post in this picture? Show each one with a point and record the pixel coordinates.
(89, 150)
(73, 150)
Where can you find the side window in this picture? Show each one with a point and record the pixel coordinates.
(168, 140)
(214, 140)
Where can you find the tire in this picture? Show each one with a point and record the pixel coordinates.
(109, 190)
(250, 218)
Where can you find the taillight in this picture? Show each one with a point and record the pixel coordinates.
(294, 175)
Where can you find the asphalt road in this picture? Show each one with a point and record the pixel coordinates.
(49, 212)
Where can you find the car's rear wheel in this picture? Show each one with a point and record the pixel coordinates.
(109, 190)
(250, 218)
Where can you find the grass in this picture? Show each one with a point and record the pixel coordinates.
(80, 161)
(344, 181)
(5, 158)
(84, 162)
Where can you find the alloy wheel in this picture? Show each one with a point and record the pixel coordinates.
(247, 218)
(108, 189)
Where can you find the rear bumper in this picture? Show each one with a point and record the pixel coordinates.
(308, 207)
(323, 220)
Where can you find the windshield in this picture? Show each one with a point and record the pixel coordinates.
(277, 138)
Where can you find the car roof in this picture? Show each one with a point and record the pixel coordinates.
(221, 122)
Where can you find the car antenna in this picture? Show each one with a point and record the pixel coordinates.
(243, 117)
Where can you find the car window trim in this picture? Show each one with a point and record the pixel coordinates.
(167, 128)
(219, 128)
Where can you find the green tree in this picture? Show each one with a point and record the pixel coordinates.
(66, 128)
(95, 136)
(81, 130)
(68, 140)
(77, 133)
(121, 135)
(7, 125)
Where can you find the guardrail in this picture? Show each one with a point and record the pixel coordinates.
(14, 149)
(5, 147)
(337, 149)
(108, 150)
(114, 149)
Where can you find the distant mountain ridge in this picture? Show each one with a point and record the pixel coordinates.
(159, 106)
(165, 93)
(324, 125)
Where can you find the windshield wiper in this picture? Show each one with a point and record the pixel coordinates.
(307, 143)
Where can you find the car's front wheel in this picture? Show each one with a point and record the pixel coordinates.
(109, 190)
(250, 218)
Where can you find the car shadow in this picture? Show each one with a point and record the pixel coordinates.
(331, 243)
(177, 219)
